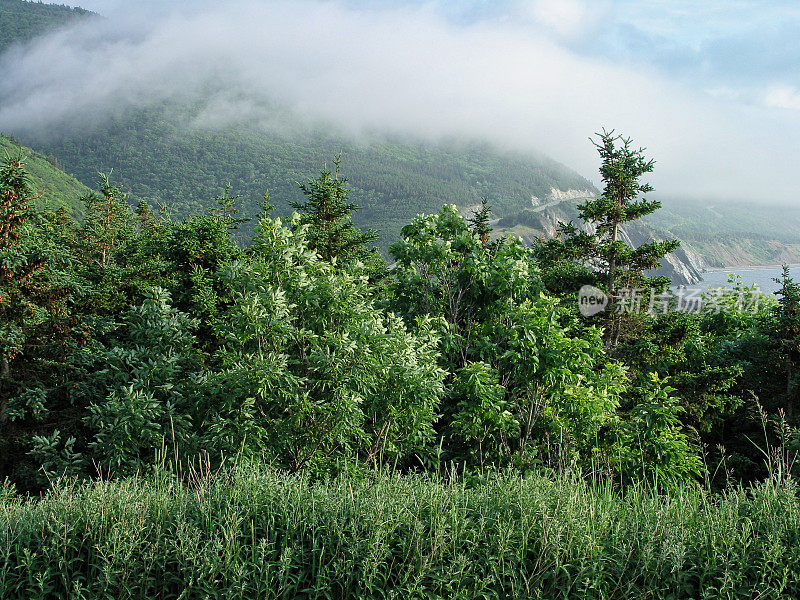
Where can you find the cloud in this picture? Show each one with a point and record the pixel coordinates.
(783, 97)
(409, 70)
(568, 19)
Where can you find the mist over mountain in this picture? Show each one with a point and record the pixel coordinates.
(181, 145)
(428, 105)
(515, 77)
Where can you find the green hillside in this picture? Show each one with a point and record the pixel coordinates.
(54, 188)
(21, 21)
(157, 156)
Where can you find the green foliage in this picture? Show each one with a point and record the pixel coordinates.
(16, 269)
(33, 287)
(716, 359)
(37, 328)
(140, 336)
(317, 370)
(479, 222)
(144, 382)
(57, 458)
(254, 533)
(29, 403)
(482, 416)
(21, 21)
(529, 382)
(698, 362)
(327, 213)
(784, 332)
(618, 265)
(139, 344)
(108, 223)
(652, 446)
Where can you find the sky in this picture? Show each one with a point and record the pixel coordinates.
(711, 88)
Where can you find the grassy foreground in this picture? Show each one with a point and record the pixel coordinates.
(258, 534)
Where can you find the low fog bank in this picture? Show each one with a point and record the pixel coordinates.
(398, 71)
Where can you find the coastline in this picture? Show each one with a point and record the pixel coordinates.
(732, 268)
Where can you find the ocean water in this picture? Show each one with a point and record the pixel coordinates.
(761, 276)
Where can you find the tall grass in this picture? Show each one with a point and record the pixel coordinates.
(254, 533)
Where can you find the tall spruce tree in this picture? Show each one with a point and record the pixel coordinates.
(108, 224)
(618, 265)
(479, 222)
(327, 211)
(35, 305)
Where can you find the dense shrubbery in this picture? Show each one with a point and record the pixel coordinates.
(183, 342)
(131, 335)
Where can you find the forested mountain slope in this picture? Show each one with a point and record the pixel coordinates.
(733, 233)
(20, 21)
(158, 156)
(52, 187)
(161, 155)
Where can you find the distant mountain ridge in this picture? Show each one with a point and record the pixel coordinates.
(683, 266)
(734, 235)
(159, 154)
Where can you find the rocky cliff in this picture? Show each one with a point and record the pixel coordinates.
(711, 236)
(683, 267)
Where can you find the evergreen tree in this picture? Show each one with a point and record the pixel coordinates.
(144, 214)
(108, 226)
(618, 265)
(226, 209)
(30, 292)
(479, 222)
(37, 319)
(15, 269)
(327, 212)
(785, 335)
(109, 222)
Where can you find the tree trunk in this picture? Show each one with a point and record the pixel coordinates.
(615, 325)
(612, 263)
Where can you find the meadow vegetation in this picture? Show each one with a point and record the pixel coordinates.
(255, 533)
